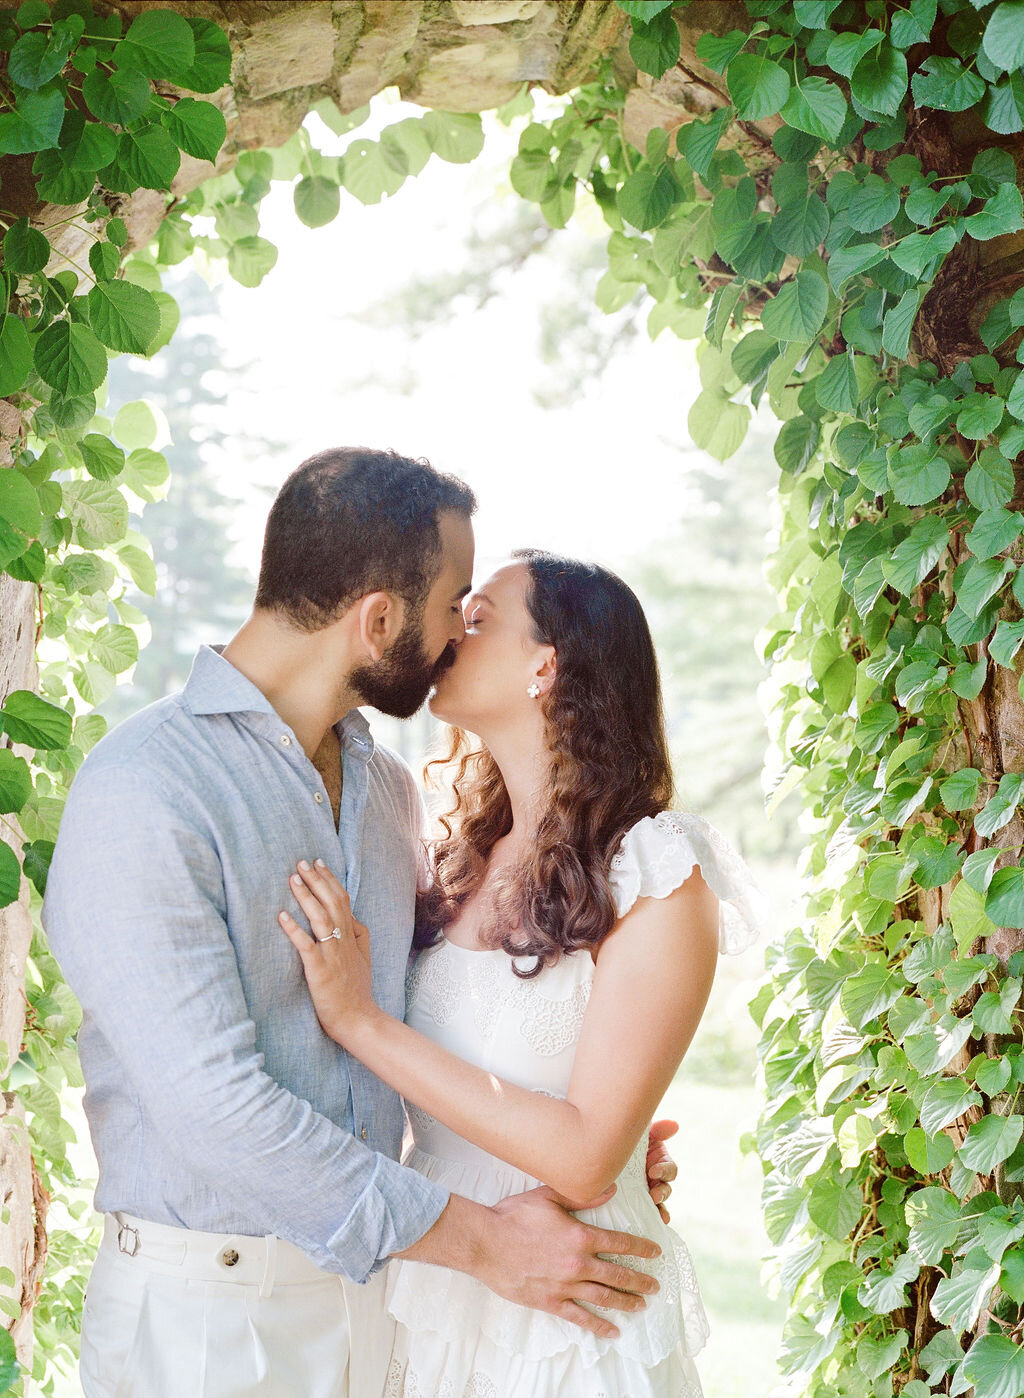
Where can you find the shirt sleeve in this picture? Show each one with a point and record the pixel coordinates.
(134, 912)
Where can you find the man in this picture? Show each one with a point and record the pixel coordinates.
(247, 1166)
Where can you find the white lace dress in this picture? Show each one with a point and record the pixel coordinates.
(457, 1339)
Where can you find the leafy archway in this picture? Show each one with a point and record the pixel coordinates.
(827, 194)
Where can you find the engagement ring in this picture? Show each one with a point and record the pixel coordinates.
(335, 935)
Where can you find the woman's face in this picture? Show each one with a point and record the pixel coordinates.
(498, 659)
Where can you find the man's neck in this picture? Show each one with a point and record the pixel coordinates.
(295, 672)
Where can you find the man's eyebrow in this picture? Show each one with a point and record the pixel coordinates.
(462, 592)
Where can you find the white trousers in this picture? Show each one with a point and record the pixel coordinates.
(174, 1313)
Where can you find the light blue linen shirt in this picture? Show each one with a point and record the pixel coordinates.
(215, 1100)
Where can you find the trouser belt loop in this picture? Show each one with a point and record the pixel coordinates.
(269, 1266)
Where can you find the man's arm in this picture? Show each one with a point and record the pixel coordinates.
(134, 912)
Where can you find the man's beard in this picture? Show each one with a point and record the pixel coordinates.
(399, 683)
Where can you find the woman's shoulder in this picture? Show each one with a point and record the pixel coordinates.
(660, 852)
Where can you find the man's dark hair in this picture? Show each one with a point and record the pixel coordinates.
(349, 521)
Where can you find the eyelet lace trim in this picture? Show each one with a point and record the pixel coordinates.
(660, 852)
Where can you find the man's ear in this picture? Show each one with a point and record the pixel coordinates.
(380, 617)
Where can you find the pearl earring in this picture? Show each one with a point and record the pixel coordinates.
(533, 690)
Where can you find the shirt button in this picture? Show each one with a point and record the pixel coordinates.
(363, 1133)
(286, 742)
(318, 797)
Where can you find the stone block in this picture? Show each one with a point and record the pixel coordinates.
(494, 11)
(287, 50)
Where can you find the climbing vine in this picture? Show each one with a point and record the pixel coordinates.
(808, 266)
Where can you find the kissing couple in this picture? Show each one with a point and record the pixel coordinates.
(277, 973)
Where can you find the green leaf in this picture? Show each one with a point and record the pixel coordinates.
(15, 354)
(944, 1101)
(117, 98)
(10, 887)
(796, 444)
(37, 57)
(800, 226)
(250, 259)
(98, 510)
(886, 1289)
(836, 388)
(197, 127)
(19, 503)
(818, 107)
(36, 859)
(990, 481)
(934, 1218)
(103, 458)
(1007, 641)
(981, 579)
(717, 425)
(993, 1011)
(879, 80)
(798, 311)
(158, 43)
(644, 10)
(34, 124)
(875, 204)
(1002, 213)
(848, 262)
(835, 1207)
(70, 358)
(918, 475)
(58, 184)
(370, 170)
(647, 196)
(754, 355)
(25, 249)
(124, 316)
(758, 87)
(915, 556)
(994, 1367)
(868, 993)
(946, 84)
(140, 567)
(28, 719)
(914, 252)
(317, 200)
(987, 1143)
(116, 648)
(697, 141)
(958, 1300)
(980, 415)
(845, 51)
(454, 136)
(148, 154)
(1004, 903)
(411, 139)
(654, 46)
(718, 52)
(135, 426)
(994, 531)
(927, 1154)
(15, 782)
(1003, 40)
(899, 322)
(210, 68)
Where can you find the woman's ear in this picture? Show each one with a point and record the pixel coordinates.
(547, 670)
(380, 617)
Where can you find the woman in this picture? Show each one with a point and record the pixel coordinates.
(569, 942)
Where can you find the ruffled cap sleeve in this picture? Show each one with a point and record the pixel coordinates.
(659, 853)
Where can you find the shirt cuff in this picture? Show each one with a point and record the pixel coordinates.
(395, 1210)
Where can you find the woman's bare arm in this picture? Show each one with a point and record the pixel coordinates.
(652, 981)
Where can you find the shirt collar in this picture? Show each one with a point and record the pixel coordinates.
(215, 686)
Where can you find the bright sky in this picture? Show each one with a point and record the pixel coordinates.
(600, 477)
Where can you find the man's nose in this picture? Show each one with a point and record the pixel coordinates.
(458, 631)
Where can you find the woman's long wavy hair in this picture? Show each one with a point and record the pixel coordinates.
(609, 767)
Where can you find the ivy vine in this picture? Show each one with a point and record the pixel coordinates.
(891, 1053)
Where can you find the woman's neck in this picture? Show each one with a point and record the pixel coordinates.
(523, 760)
